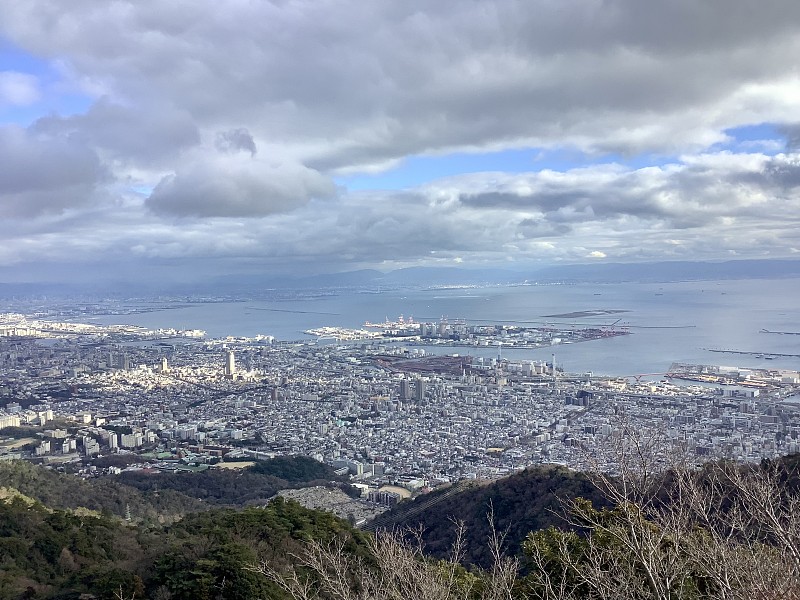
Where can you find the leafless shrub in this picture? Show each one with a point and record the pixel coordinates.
(676, 530)
(396, 569)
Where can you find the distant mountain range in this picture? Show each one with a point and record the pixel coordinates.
(587, 273)
(412, 277)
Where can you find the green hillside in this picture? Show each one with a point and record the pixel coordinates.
(524, 502)
(154, 497)
(238, 487)
(48, 553)
(104, 495)
(724, 530)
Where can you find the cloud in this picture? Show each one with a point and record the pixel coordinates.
(703, 208)
(216, 132)
(236, 140)
(692, 194)
(18, 89)
(792, 133)
(784, 171)
(233, 186)
(339, 85)
(146, 135)
(42, 174)
(540, 227)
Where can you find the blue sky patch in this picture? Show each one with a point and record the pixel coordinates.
(56, 96)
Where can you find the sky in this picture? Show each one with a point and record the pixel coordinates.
(192, 138)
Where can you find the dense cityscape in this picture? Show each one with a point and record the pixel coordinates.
(394, 418)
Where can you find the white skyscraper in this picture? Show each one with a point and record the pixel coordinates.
(230, 364)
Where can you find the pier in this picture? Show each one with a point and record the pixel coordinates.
(767, 355)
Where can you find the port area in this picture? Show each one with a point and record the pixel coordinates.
(460, 333)
(759, 379)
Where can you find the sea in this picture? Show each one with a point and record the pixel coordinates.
(668, 322)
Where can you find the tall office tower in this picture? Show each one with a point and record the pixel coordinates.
(405, 390)
(230, 364)
(555, 373)
(164, 365)
(419, 395)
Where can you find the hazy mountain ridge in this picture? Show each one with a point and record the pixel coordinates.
(664, 271)
(232, 286)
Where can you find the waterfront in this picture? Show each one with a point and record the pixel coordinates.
(382, 411)
(668, 321)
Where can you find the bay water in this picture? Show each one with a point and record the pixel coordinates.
(668, 322)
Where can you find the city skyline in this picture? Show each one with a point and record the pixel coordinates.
(181, 141)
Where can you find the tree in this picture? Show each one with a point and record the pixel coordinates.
(676, 530)
(395, 568)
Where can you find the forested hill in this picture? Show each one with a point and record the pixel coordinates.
(46, 553)
(240, 487)
(104, 495)
(531, 500)
(150, 497)
(665, 548)
(524, 502)
(62, 536)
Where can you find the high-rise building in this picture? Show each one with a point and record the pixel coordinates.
(555, 372)
(230, 364)
(419, 390)
(405, 389)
